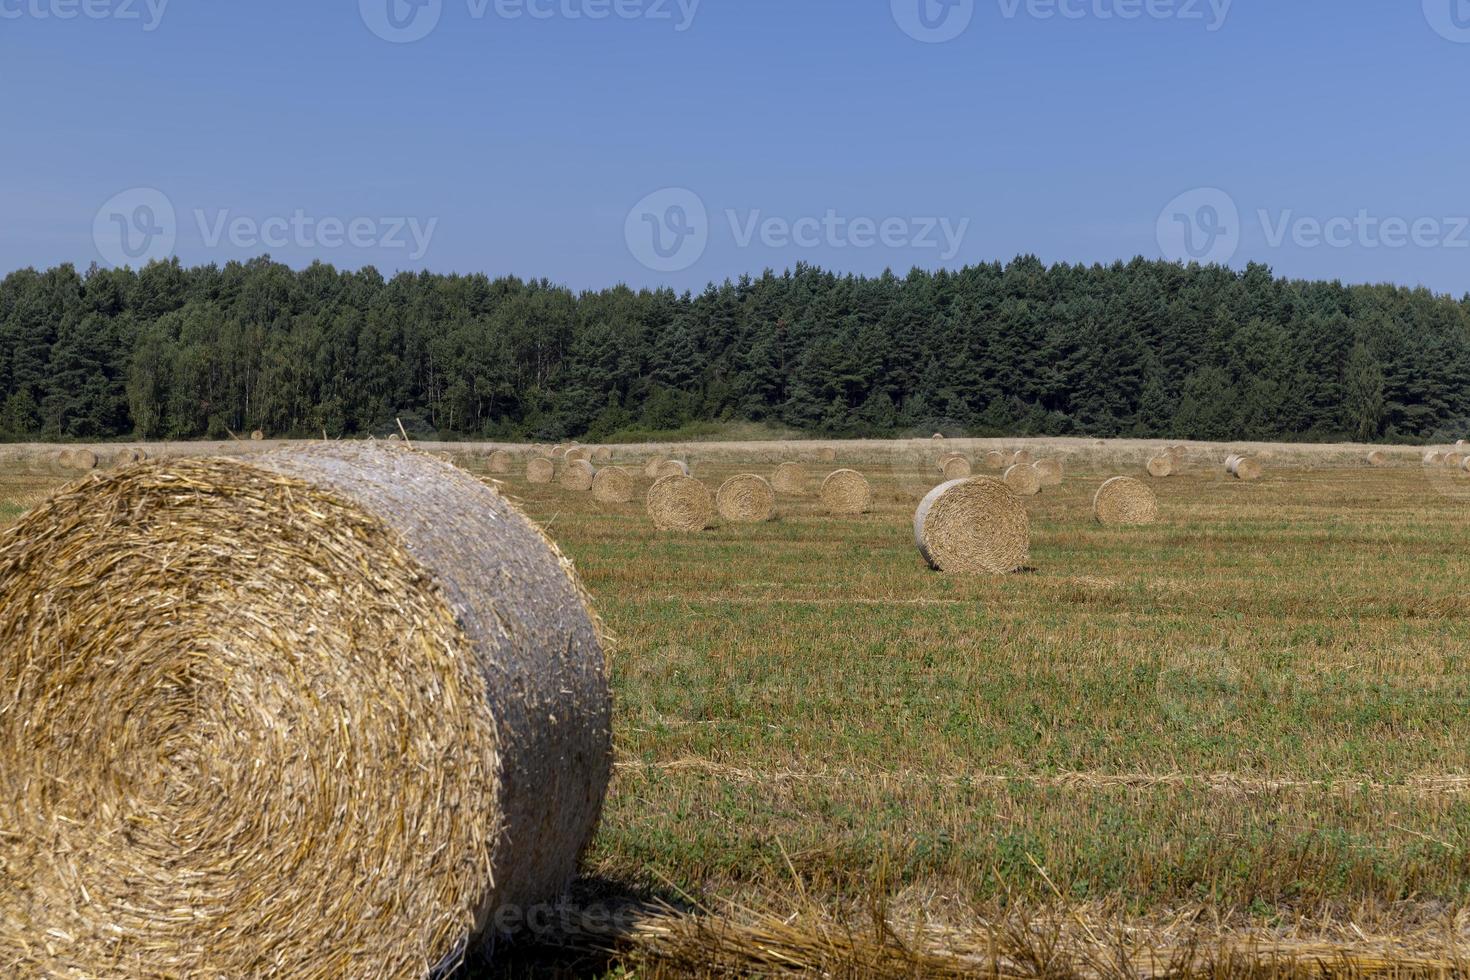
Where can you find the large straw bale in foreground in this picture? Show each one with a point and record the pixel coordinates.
(1124, 500)
(746, 499)
(846, 492)
(789, 478)
(613, 485)
(977, 526)
(681, 503)
(325, 712)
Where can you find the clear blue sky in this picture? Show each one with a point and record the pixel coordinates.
(519, 145)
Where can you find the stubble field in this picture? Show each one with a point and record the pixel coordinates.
(1243, 726)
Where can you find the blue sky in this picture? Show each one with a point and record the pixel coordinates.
(746, 133)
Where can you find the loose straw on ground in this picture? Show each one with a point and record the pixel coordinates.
(846, 492)
(746, 499)
(1125, 501)
(680, 503)
(613, 485)
(343, 756)
(976, 526)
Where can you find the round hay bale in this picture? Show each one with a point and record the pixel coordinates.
(827, 455)
(540, 470)
(613, 485)
(956, 467)
(1126, 501)
(1466, 465)
(601, 454)
(846, 492)
(1177, 453)
(257, 436)
(579, 454)
(1243, 468)
(501, 462)
(77, 460)
(1022, 457)
(996, 460)
(1377, 458)
(746, 499)
(976, 526)
(1161, 466)
(946, 457)
(789, 478)
(671, 467)
(938, 435)
(1433, 458)
(391, 438)
(129, 457)
(1454, 460)
(1048, 472)
(577, 475)
(680, 503)
(1022, 479)
(650, 469)
(342, 757)
(558, 451)
(66, 459)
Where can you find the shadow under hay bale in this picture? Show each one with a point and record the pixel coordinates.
(345, 756)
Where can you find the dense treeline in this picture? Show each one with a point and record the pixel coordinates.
(1142, 349)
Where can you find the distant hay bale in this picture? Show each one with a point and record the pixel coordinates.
(938, 435)
(1161, 466)
(613, 485)
(650, 469)
(129, 457)
(501, 462)
(846, 492)
(1243, 468)
(975, 526)
(956, 467)
(789, 478)
(345, 756)
(601, 454)
(1454, 460)
(581, 453)
(540, 470)
(558, 451)
(1466, 466)
(1126, 501)
(1022, 457)
(77, 460)
(1022, 479)
(1177, 453)
(946, 457)
(671, 467)
(1048, 472)
(1377, 458)
(1433, 458)
(827, 454)
(746, 499)
(996, 460)
(577, 475)
(257, 436)
(681, 503)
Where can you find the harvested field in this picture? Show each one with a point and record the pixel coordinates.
(1242, 728)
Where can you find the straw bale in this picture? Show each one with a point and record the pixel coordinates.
(976, 526)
